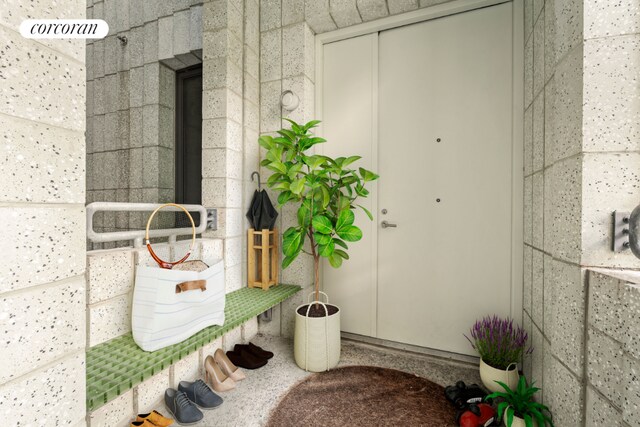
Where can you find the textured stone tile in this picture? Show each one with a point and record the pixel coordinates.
(221, 133)
(109, 319)
(612, 68)
(563, 31)
(318, 17)
(111, 47)
(181, 22)
(41, 163)
(566, 295)
(537, 358)
(212, 249)
(538, 5)
(604, 367)
(44, 245)
(165, 38)
(249, 329)
(229, 223)
(538, 132)
(136, 14)
(292, 12)
(631, 389)
(195, 28)
(372, 9)
(271, 55)
(117, 412)
(41, 326)
(344, 13)
(270, 14)
(528, 210)
(631, 319)
(537, 290)
(528, 19)
(297, 50)
(233, 251)
(538, 56)
(427, 3)
(528, 141)
(55, 394)
(538, 210)
(528, 72)
(109, 274)
(603, 18)
(31, 91)
(187, 369)
(611, 181)
(527, 359)
(562, 393)
(304, 88)
(233, 278)
(151, 391)
(600, 412)
(563, 209)
(270, 111)
(605, 304)
(401, 6)
(232, 338)
(528, 280)
(150, 42)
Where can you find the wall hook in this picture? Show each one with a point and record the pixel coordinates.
(123, 40)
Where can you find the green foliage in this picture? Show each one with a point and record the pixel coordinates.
(324, 189)
(519, 402)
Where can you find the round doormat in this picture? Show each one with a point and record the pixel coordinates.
(363, 396)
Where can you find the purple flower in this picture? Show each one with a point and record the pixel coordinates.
(498, 341)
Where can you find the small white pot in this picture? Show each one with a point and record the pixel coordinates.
(489, 375)
(316, 341)
(517, 422)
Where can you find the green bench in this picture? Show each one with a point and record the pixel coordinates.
(119, 365)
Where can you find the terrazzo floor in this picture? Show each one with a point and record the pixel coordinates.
(253, 399)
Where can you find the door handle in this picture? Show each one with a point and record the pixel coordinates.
(386, 224)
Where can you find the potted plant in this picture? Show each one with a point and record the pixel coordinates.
(325, 191)
(518, 409)
(501, 345)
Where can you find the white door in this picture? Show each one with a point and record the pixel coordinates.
(442, 105)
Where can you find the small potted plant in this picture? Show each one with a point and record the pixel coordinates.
(517, 407)
(324, 191)
(501, 345)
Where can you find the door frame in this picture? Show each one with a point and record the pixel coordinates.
(517, 129)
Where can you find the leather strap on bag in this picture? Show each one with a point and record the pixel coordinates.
(191, 285)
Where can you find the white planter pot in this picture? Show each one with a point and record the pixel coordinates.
(316, 340)
(517, 422)
(489, 375)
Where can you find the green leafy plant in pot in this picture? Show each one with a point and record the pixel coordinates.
(325, 190)
(517, 407)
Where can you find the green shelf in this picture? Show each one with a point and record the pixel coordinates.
(119, 365)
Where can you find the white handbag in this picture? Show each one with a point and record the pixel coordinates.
(170, 306)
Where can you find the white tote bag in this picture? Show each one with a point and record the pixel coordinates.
(169, 306)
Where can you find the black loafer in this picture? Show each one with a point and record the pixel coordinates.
(199, 393)
(255, 350)
(244, 359)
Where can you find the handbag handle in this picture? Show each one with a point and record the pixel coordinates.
(156, 258)
(191, 286)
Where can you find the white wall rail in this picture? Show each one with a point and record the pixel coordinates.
(207, 220)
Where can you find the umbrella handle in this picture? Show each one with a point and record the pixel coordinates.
(252, 175)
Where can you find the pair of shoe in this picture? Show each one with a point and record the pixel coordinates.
(183, 403)
(152, 419)
(221, 373)
(249, 356)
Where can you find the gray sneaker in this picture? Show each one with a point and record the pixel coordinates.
(199, 393)
(184, 411)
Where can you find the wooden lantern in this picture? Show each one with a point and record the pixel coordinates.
(262, 258)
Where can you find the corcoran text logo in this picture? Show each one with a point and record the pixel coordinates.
(64, 29)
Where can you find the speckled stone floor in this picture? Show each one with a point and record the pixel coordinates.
(251, 402)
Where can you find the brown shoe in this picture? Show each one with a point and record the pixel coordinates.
(215, 377)
(227, 366)
(245, 359)
(153, 418)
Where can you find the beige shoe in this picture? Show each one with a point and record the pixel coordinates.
(214, 376)
(231, 370)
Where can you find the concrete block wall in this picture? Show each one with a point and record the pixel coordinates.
(581, 163)
(42, 285)
(131, 99)
(110, 282)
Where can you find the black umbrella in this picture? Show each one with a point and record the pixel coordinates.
(261, 213)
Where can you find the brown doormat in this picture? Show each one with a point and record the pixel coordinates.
(363, 396)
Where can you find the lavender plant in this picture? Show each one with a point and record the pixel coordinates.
(498, 341)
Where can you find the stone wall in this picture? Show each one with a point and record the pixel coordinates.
(581, 164)
(42, 284)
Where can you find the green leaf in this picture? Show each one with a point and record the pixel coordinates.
(366, 211)
(350, 160)
(311, 124)
(527, 420)
(335, 260)
(340, 243)
(327, 250)
(340, 252)
(284, 197)
(287, 261)
(345, 219)
(368, 175)
(297, 186)
(322, 224)
(266, 141)
(326, 198)
(288, 134)
(322, 239)
(361, 191)
(509, 412)
(273, 178)
(304, 216)
(277, 166)
(350, 233)
(281, 186)
(292, 243)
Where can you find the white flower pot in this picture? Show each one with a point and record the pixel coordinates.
(316, 340)
(489, 375)
(517, 422)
